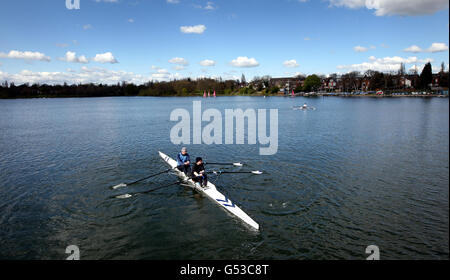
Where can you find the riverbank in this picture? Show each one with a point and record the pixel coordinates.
(381, 96)
(246, 95)
(126, 91)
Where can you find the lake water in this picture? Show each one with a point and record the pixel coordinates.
(353, 173)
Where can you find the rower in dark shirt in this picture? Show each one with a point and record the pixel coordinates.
(199, 173)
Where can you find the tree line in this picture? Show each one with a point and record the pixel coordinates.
(352, 81)
(182, 87)
(394, 81)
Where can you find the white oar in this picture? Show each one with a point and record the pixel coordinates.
(238, 172)
(234, 164)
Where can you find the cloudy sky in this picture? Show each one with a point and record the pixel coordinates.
(108, 41)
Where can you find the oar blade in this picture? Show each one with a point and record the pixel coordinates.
(119, 186)
(124, 196)
(238, 164)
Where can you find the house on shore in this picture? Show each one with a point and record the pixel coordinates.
(287, 84)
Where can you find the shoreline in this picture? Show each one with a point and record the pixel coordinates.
(244, 95)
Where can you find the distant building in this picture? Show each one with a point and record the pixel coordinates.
(365, 84)
(435, 81)
(286, 84)
(329, 84)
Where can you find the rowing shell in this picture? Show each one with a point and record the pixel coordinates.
(212, 192)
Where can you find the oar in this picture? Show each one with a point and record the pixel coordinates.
(140, 180)
(237, 172)
(221, 163)
(127, 195)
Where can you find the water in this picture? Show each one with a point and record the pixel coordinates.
(355, 172)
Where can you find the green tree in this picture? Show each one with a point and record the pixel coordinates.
(443, 77)
(377, 81)
(274, 90)
(312, 82)
(426, 77)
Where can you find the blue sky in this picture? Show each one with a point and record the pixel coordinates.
(107, 41)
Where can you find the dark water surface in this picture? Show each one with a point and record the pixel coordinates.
(354, 172)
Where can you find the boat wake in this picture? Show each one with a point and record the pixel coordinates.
(301, 108)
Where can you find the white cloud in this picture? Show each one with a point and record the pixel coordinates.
(291, 63)
(413, 49)
(196, 29)
(131, 20)
(435, 47)
(417, 68)
(164, 75)
(294, 74)
(87, 26)
(385, 64)
(173, 1)
(360, 49)
(179, 61)
(72, 57)
(179, 68)
(230, 76)
(207, 62)
(85, 75)
(105, 58)
(27, 55)
(397, 7)
(162, 71)
(244, 61)
(210, 6)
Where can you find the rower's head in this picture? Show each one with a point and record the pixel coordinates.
(184, 150)
(199, 161)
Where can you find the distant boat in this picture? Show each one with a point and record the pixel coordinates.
(214, 93)
(209, 93)
(380, 92)
(293, 94)
(204, 94)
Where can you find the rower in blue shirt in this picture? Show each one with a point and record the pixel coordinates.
(184, 162)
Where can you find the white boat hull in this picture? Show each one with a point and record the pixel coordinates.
(212, 192)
